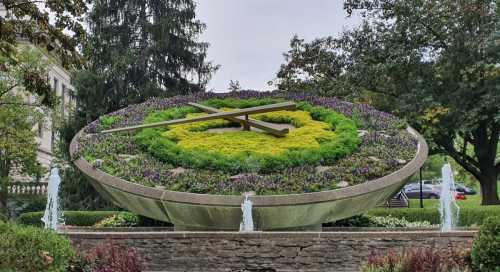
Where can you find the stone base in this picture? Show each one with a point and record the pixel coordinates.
(267, 251)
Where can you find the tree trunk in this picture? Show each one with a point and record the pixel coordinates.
(489, 190)
(3, 195)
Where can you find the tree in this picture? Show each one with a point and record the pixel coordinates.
(18, 148)
(44, 24)
(435, 63)
(234, 86)
(140, 49)
(313, 67)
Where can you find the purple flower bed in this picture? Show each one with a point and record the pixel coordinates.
(386, 147)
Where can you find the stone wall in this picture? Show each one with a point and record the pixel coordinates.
(266, 251)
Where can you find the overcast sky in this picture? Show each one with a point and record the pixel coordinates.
(248, 37)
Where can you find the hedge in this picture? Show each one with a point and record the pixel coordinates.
(469, 216)
(486, 247)
(88, 218)
(27, 249)
(72, 218)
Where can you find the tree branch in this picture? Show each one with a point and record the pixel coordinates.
(8, 89)
(25, 3)
(20, 104)
(470, 168)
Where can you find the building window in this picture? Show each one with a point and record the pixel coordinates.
(63, 94)
(40, 129)
(56, 84)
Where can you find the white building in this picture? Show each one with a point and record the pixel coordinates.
(60, 80)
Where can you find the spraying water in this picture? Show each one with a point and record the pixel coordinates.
(448, 206)
(52, 216)
(246, 208)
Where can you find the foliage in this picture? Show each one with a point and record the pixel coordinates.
(311, 142)
(29, 249)
(18, 205)
(378, 154)
(433, 63)
(469, 216)
(76, 193)
(419, 260)
(71, 218)
(380, 221)
(313, 67)
(486, 247)
(123, 219)
(138, 50)
(17, 118)
(107, 257)
(392, 222)
(108, 121)
(47, 26)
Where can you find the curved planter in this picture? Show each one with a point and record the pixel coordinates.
(188, 211)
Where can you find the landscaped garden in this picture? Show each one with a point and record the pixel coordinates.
(331, 144)
(157, 165)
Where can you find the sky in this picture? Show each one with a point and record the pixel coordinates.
(248, 37)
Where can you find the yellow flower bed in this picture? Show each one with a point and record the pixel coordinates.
(307, 134)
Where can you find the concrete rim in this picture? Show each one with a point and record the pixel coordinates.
(258, 201)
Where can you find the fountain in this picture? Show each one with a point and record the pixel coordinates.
(247, 221)
(52, 216)
(280, 203)
(448, 208)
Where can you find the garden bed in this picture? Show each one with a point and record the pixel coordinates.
(331, 144)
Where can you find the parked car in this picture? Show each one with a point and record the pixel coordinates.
(464, 189)
(412, 190)
(459, 186)
(429, 191)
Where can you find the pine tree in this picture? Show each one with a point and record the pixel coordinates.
(139, 49)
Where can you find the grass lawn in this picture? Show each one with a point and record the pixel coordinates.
(471, 201)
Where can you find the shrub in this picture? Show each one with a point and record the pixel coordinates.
(123, 219)
(380, 221)
(106, 258)
(419, 260)
(24, 248)
(72, 218)
(469, 216)
(321, 136)
(486, 247)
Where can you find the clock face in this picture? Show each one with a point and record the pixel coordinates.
(212, 143)
(226, 144)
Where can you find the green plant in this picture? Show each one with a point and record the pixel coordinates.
(469, 216)
(393, 222)
(27, 249)
(486, 247)
(380, 221)
(107, 121)
(322, 136)
(123, 219)
(72, 218)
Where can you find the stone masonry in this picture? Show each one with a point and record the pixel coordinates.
(267, 251)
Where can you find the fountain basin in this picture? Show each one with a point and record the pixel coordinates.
(307, 211)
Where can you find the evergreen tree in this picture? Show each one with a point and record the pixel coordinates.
(140, 49)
